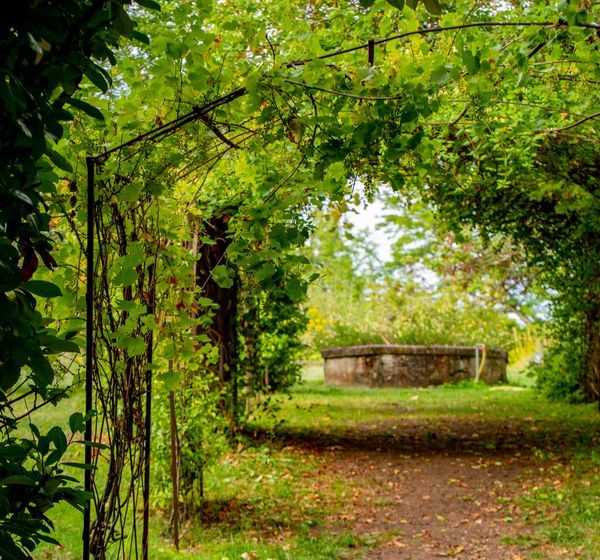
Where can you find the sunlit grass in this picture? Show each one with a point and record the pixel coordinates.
(257, 503)
(260, 505)
(314, 404)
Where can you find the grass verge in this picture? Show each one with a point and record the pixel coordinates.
(261, 502)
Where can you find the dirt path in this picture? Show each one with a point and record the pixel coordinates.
(439, 491)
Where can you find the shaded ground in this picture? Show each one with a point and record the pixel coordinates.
(442, 490)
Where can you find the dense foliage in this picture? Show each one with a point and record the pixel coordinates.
(523, 163)
(423, 294)
(49, 52)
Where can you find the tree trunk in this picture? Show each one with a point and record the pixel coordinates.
(222, 331)
(592, 351)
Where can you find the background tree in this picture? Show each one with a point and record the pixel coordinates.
(520, 160)
(417, 295)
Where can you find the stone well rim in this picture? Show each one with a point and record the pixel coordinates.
(407, 349)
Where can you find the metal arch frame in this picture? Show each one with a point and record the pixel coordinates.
(155, 135)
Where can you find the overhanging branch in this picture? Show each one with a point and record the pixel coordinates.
(573, 125)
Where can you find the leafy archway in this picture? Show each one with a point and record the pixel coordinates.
(430, 107)
(346, 126)
(128, 256)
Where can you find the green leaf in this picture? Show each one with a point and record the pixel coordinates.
(170, 379)
(295, 289)
(58, 160)
(53, 457)
(126, 277)
(42, 370)
(265, 272)
(24, 128)
(55, 344)
(35, 431)
(7, 97)
(176, 50)
(98, 78)
(59, 345)
(141, 37)
(200, 78)
(94, 444)
(134, 346)
(433, 7)
(223, 276)
(57, 436)
(82, 466)
(412, 4)
(85, 107)
(122, 22)
(42, 288)
(151, 4)
(337, 171)
(396, 3)
(22, 197)
(76, 423)
(47, 539)
(409, 113)
(13, 451)
(17, 479)
(35, 45)
(70, 334)
(470, 61)
(11, 371)
(131, 192)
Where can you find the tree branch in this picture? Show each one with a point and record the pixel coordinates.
(462, 114)
(573, 125)
(349, 95)
(215, 129)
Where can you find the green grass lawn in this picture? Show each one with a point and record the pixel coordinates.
(259, 503)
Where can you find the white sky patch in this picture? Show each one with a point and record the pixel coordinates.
(368, 219)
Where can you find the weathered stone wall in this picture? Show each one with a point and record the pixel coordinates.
(382, 365)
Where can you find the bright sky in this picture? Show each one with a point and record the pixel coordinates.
(366, 219)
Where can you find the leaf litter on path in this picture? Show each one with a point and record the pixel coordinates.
(422, 497)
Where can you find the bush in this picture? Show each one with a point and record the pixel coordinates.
(271, 325)
(559, 375)
(446, 319)
(339, 334)
(201, 436)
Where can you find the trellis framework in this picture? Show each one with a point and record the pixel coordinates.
(123, 235)
(119, 379)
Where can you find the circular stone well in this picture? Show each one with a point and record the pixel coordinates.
(383, 365)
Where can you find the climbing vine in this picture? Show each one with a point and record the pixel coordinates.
(50, 53)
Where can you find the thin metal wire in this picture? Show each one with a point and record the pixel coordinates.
(148, 419)
(89, 346)
(431, 30)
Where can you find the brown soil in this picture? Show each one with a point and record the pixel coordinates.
(440, 491)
